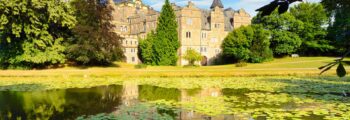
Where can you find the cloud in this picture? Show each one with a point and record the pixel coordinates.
(249, 5)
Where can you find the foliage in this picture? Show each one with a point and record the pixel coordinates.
(192, 56)
(284, 40)
(33, 32)
(260, 46)
(339, 29)
(146, 52)
(94, 42)
(166, 40)
(314, 31)
(249, 43)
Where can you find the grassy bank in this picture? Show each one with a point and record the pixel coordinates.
(68, 77)
(303, 66)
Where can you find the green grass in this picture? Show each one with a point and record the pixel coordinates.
(303, 66)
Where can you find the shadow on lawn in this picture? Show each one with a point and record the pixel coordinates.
(89, 66)
(22, 87)
(322, 88)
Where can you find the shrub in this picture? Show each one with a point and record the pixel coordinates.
(192, 56)
(241, 64)
(140, 66)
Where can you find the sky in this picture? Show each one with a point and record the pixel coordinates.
(248, 5)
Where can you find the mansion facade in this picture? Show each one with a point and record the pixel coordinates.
(198, 29)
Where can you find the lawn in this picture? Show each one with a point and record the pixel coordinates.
(303, 66)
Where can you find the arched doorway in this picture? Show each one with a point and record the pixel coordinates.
(204, 61)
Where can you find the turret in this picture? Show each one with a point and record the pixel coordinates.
(216, 3)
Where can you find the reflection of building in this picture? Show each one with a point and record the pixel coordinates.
(201, 30)
(188, 96)
(130, 93)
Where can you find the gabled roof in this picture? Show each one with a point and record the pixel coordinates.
(217, 3)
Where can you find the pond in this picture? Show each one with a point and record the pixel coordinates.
(131, 100)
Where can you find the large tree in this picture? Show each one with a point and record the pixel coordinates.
(283, 28)
(339, 28)
(33, 32)
(166, 41)
(145, 51)
(313, 32)
(95, 42)
(248, 43)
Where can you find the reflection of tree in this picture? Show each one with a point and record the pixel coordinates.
(59, 104)
(151, 93)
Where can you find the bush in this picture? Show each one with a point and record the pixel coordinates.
(192, 56)
(140, 66)
(241, 64)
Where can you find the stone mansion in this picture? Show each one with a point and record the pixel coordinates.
(199, 29)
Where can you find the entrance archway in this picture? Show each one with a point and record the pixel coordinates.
(204, 61)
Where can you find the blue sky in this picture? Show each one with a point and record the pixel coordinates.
(248, 5)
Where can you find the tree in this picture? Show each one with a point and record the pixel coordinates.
(339, 27)
(313, 34)
(166, 41)
(33, 32)
(192, 56)
(94, 42)
(284, 42)
(146, 49)
(237, 43)
(260, 48)
(283, 28)
(339, 30)
(248, 43)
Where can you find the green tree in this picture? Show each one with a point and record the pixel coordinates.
(192, 56)
(94, 42)
(166, 41)
(283, 28)
(339, 28)
(146, 49)
(260, 46)
(314, 32)
(33, 32)
(284, 42)
(248, 43)
(237, 43)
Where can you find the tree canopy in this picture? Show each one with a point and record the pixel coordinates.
(248, 43)
(33, 32)
(164, 42)
(94, 41)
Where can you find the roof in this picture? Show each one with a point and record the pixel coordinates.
(217, 3)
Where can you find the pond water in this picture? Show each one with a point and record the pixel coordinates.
(185, 104)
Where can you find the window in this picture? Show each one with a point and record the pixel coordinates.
(130, 42)
(217, 25)
(126, 42)
(188, 34)
(189, 21)
(203, 49)
(123, 28)
(135, 42)
(133, 59)
(132, 50)
(204, 35)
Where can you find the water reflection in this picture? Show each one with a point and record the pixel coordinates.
(216, 103)
(59, 104)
